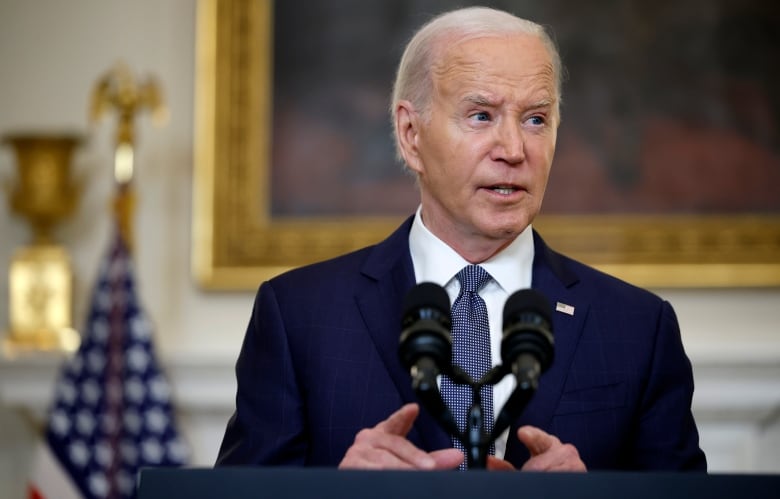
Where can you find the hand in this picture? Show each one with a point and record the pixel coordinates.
(385, 447)
(496, 464)
(548, 453)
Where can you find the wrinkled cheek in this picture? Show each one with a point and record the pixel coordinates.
(543, 182)
(545, 171)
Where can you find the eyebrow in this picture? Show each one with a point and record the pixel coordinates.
(541, 104)
(481, 100)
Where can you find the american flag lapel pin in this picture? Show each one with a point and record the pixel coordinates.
(563, 307)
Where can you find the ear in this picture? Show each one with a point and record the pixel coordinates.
(407, 125)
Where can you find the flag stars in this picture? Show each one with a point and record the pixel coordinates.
(134, 390)
(59, 423)
(132, 421)
(85, 423)
(78, 453)
(98, 484)
(160, 389)
(156, 420)
(103, 454)
(140, 329)
(178, 451)
(96, 361)
(90, 392)
(100, 330)
(137, 359)
(67, 392)
(152, 451)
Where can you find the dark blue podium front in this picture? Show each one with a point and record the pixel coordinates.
(261, 483)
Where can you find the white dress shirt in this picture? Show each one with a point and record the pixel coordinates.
(434, 261)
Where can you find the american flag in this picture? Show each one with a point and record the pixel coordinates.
(112, 412)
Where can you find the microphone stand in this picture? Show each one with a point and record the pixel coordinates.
(476, 441)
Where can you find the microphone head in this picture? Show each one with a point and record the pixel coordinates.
(426, 326)
(429, 300)
(527, 328)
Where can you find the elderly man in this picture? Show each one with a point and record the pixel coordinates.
(476, 110)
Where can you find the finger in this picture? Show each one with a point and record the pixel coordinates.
(375, 449)
(447, 459)
(371, 459)
(400, 422)
(397, 446)
(405, 451)
(562, 457)
(376, 459)
(496, 464)
(536, 440)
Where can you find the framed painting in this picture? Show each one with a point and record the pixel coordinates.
(667, 171)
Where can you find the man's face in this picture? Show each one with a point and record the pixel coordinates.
(484, 148)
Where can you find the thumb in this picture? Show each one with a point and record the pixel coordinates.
(536, 440)
(401, 421)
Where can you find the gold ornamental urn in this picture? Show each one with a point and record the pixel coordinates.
(40, 275)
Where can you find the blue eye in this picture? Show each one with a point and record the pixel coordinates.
(481, 116)
(536, 120)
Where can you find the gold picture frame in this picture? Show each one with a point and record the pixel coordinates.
(237, 243)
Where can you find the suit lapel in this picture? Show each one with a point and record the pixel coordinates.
(554, 280)
(390, 275)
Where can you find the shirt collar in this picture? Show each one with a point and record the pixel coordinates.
(434, 261)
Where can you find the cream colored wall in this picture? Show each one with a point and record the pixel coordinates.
(51, 52)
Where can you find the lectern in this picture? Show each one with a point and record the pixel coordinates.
(259, 483)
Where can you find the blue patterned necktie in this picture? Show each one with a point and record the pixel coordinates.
(470, 350)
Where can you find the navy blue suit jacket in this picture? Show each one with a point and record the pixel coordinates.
(320, 362)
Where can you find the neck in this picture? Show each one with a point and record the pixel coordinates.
(478, 253)
(474, 248)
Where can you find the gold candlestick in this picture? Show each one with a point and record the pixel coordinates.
(40, 276)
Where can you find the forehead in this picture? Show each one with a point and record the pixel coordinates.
(516, 62)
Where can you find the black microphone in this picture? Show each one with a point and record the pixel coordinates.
(527, 343)
(426, 347)
(426, 340)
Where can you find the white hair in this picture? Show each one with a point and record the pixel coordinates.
(413, 79)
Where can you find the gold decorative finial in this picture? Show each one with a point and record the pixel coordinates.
(119, 90)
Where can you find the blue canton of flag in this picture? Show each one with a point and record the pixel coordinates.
(112, 411)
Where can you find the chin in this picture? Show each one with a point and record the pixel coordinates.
(510, 228)
(504, 233)
(504, 225)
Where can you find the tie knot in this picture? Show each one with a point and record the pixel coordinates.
(472, 278)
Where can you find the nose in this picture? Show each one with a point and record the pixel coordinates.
(510, 143)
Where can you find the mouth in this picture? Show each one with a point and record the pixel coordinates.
(504, 189)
